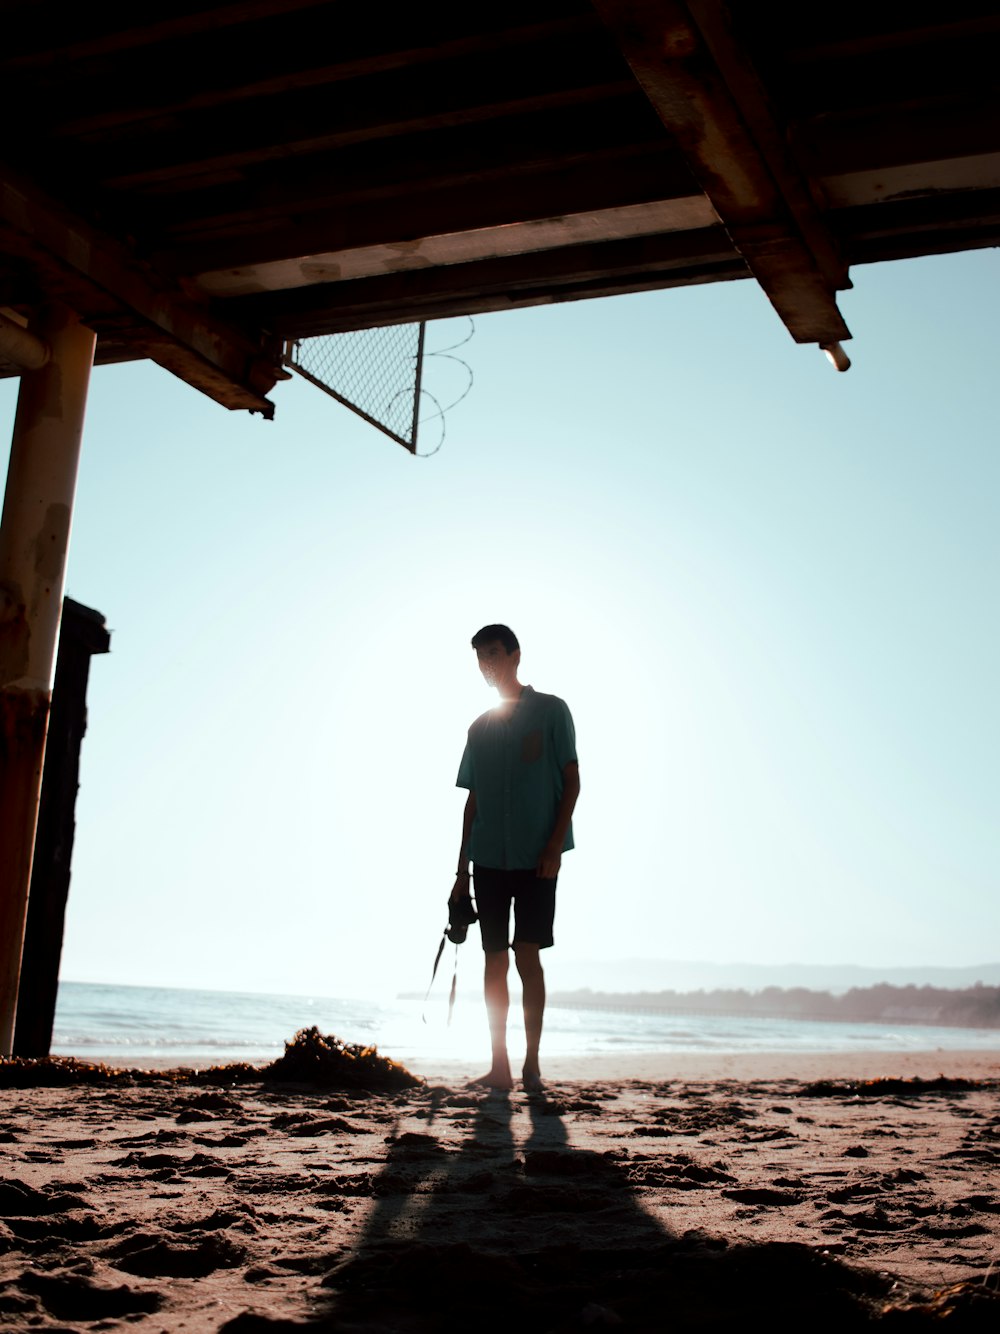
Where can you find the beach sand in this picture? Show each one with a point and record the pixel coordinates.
(655, 1193)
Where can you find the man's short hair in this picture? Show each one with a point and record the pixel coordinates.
(490, 634)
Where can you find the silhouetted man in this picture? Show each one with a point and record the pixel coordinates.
(521, 771)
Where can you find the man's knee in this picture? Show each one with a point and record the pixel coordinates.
(497, 963)
(527, 958)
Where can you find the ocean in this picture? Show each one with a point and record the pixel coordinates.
(189, 1027)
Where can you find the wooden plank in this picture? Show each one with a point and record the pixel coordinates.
(608, 136)
(769, 137)
(671, 215)
(82, 634)
(292, 55)
(929, 225)
(840, 145)
(403, 213)
(321, 126)
(884, 185)
(805, 35)
(76, 261)
(676, 71)
(84, 33)
(575, 273)
(474, 302)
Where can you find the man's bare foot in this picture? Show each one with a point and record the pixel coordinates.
(532, 1081)
(494, 1079)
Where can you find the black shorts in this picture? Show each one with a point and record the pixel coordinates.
(534, 902)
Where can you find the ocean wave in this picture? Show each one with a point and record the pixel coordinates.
(210, 1026)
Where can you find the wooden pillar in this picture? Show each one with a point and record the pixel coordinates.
(82, 633)
(34, 541)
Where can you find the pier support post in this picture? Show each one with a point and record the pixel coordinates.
(82, 633)
(34, 541)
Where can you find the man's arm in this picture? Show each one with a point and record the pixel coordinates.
(461, 889)
(551, 858)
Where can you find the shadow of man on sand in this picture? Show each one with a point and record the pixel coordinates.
(491, 1219)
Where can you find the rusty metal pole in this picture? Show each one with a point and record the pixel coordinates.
(34, 540)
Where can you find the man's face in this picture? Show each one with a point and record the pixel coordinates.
(496, 664)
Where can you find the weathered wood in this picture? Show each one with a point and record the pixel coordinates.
(541, 234)
(34, 539)
(698, 108)
(769, 135)
(449, 84)
(213, 137)
(83, 633)
(155, 164)
(672, 259)
(585, 183)
(220, 359)
(85, 34)
(503, 156)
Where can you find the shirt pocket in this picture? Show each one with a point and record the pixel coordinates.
(531, 746)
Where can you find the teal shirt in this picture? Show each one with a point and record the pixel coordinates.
(515, 767)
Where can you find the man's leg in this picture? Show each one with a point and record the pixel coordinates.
(529, 965)
(497, 1005)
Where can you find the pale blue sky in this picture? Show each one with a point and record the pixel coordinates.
(766, 590)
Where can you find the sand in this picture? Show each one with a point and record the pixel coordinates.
(694, 1193)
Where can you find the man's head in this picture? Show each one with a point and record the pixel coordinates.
(501, 634)
(499, 654)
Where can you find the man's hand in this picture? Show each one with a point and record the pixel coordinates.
(549, 862)
(551, 858)
(461, 887)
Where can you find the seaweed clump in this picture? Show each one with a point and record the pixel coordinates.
(312, 1058)
(64, 1071)
(56, 1072)
(888, 1087)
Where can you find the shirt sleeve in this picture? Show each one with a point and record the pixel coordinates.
(464, 778)
(563, 736)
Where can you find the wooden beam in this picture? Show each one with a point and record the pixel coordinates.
(542, 234)
(577, 272)
(34, 541)
(927, 225)
(191, 150)
(351, 143)
(869, 140)
(676, 69)
(88, 268)
(91, 43)
(908, 79)
(769, 137)
(402, 210)
(811, 37)
(230, 66)
(558, 142)
(82, 634)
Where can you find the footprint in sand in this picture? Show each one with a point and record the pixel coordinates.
(150, 1137)
(19, 1200)
(305, 1123)
(52, 1231)
(198, 1165)
(767, 1196)
(74, 1297)
(362, 1183)
(151, 1256)
(243, 1218)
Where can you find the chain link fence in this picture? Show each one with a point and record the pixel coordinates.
(374, 372)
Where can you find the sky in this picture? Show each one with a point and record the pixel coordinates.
(767, 591)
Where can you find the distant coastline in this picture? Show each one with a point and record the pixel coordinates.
(969, 1007)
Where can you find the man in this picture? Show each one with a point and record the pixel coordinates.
(521, 772)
